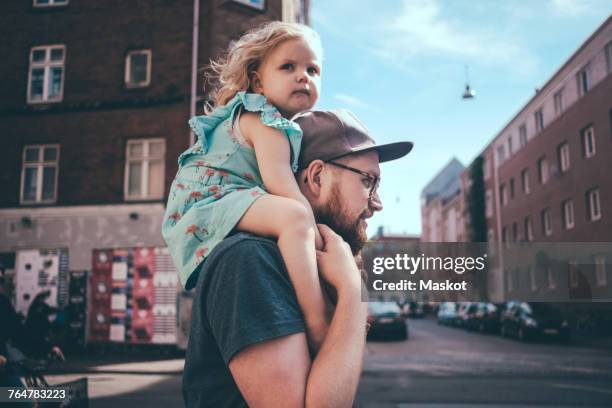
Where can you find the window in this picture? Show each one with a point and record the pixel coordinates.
(515, 232)
(609, 57)
(505, 239)
(559, 104)
(600, 270)
(550, 277)
(47, 3)
(546, 222)
(522, 135)
(254, 4)
(573, 273)
(138, 69)
(567, 209)
(564, 157)
(502, 194)
(46, 74)
(501, 154)
(512, 188)
(593, 204)
(588, 142)
(543, 170)
(292, 11)
(583, 79)
(525, 181)
(539, 120)
(509, 145)
(39, 174)
(144, 169)
(488, 204)
(532, 278)
(528, 226)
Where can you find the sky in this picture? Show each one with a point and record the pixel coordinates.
(400, 66)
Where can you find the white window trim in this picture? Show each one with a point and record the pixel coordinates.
(568, 214)
(52, 3)
(543, 170)
(547, 221)
(600, 270)
(564, 157)
(46, 65)
(525, 181)
(128, 62)
(559, 102)
(528, 229)
(144, 194)
(588, 133)
(39, 174)
(585, 70)
(594, 215)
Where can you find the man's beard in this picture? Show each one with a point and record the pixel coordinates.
(333, 214)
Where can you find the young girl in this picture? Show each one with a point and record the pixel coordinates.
(239, 174)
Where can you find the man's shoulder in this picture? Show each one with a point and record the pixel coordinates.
(242, 242)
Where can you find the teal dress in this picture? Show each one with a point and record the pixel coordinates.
(217, 181)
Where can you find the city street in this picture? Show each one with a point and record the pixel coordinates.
(437, 366)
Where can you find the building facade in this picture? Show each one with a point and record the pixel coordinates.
(94, 113)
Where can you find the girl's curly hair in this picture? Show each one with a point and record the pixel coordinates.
(232, 72)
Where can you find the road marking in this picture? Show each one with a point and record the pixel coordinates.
(583, 387)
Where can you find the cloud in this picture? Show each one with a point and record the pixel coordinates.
(420, 30)
(356, 103)
(569, 8)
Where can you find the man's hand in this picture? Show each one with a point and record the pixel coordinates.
(336, 263)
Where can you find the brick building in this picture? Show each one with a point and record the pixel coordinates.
(94, 111)
(547, 179)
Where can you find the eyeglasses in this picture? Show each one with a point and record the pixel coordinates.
(373, 181)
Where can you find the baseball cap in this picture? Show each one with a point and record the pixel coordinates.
(333, 134)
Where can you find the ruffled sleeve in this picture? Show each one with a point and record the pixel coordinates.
(270, 116)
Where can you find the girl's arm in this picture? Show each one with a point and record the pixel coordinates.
(273, 158)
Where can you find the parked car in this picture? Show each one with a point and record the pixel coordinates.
(462, 313)
(414, 309)
(528, 321)
(484, 318)
(386, 321)
(447, 312)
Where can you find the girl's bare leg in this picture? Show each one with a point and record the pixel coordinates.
(291, 223)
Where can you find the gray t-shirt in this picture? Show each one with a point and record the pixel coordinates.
(243, 296)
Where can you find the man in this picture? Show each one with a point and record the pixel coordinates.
(247, 342)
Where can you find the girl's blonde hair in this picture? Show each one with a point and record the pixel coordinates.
(233, 71)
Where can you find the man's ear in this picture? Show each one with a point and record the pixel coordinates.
(313, 178)
(256, 84)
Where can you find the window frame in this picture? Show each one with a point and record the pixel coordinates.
(567, 211)
(128, 64)
(522, 135)
(588, 133)
(583, 80)
(563, 154)
(543, 170)
(538, 117)
(593, 204)
(46, 65)
(40, 164)
(144, 180)
(503, 197)
(525, 181)
(546, 219)
(559, 102)
(528, 226)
